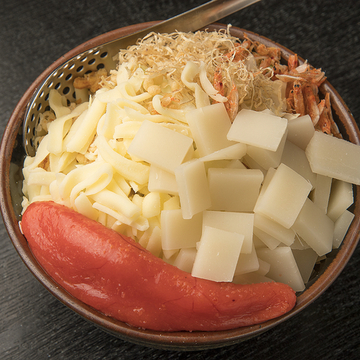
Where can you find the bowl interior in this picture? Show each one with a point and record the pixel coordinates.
(11, 159)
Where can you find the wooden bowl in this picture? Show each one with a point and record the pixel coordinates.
(11, 160)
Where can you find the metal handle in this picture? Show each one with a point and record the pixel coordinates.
(191, 20)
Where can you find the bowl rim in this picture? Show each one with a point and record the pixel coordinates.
(165, 340)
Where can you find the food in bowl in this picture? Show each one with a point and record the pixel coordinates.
(221, 117)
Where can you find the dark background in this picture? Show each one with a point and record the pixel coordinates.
(33, 34)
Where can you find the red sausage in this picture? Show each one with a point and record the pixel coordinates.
(118, 277)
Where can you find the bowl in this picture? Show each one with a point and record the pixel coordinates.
(11, 158)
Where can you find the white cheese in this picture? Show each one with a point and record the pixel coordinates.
(333, 157)
(258, 129)
(217, 255)
(234, 189)
(284, 196)
(161, 146)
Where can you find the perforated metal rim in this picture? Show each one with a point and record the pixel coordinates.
(61, 80)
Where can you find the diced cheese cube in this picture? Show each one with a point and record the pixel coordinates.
(217, 255)
(193, 188)
(300, 131)
(267, 178)
(341, 197)
(257, 242)
(305, 260)
(234, 189)
(333, 157)
(267, 158)
(250, 163)
(258, 129)
(284, 196)
(161, 146)
(177, 232)
(209, 126)
(283, 267)
(315, 228)
(266, 239)
(273, 228)
(295, 158)
(241, 223)
(162, 181)
(236, 151)
(185, 259)
(341, 227)
(247, 262)
(321, 192)
(264, 267)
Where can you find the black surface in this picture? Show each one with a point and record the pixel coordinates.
(33, 34)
